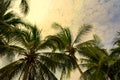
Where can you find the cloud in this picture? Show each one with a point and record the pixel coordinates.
(104, 15)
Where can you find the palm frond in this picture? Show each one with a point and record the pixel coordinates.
(92, 74)
(10, 50)
(7, 4)
(67, 62)
(97, 41)
(88, 63)
(3, 9)
(50, 63)
(82, 31)
(65, 36)
(24, 6)
(54, 42)
(93, 52)
(9, 15)
(57, 26)
(87, 73)
(85, 44)
(14, 21)
(45, 72)
(8, 72)
(115, 51)
(114, 70)
(4, 27)
(24, 38)
(36, 36)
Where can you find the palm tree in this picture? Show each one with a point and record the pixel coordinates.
(31, 41)
(8, 21)
(115, 55)
(65, 42)
(96, 61)
(33, 63)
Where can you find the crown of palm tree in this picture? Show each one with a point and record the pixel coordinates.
(66, 43)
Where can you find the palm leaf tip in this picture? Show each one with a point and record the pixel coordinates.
(9, 15)
(24, 6)
(82, 31)
(56, 26)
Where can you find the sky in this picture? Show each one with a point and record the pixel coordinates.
(103, 15)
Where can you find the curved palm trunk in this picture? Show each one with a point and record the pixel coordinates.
(81, 72)
(79, 68)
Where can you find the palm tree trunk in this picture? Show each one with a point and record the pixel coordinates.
(79, 68)
(81, 72)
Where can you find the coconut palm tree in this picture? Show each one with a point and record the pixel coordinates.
(115, 55)
(96, 61)
(65, 42)
(34, 64)
(26, 37)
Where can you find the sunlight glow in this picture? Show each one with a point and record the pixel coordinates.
(45, 12)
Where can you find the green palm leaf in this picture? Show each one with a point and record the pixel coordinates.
(7, 72)
(24, 6)
(82, 31)
(96, 59)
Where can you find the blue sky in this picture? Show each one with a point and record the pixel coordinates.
(105, 16)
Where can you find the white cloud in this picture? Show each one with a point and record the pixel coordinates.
(104, 15)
